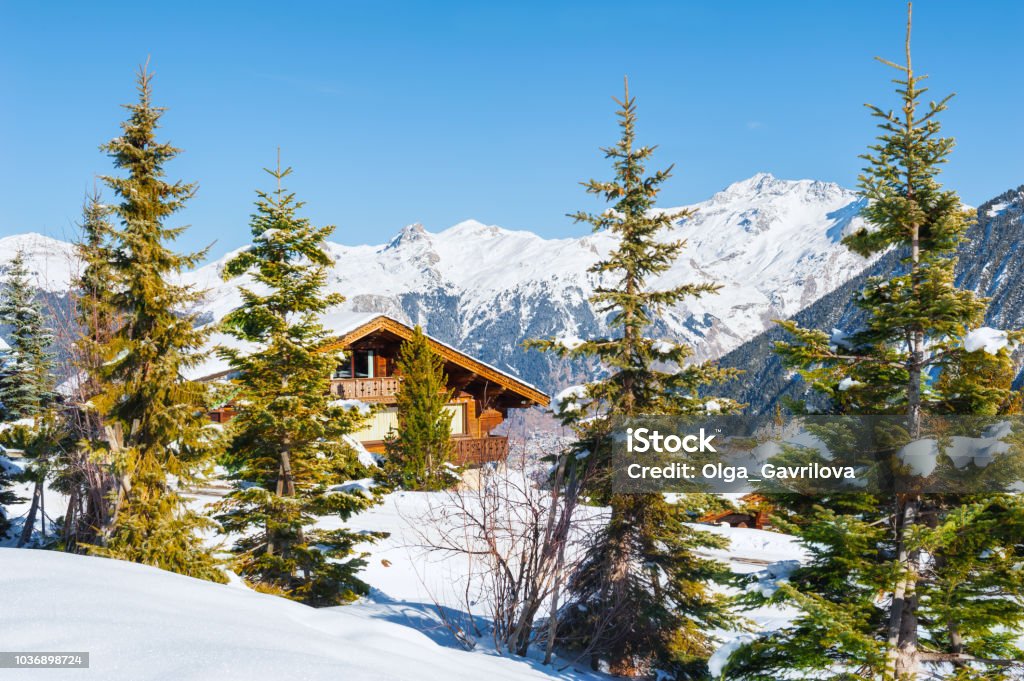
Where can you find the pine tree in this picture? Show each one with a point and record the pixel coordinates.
(287, 439)
(419, 449)
(155, 426)
(26, 382)
(84, 473)
(900, 582)
(642, 597)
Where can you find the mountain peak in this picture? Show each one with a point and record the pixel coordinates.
(766, 184)
(754, 184)
(407, 235)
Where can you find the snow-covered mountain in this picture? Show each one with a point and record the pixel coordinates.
(990, 263)
(773, 244)
(50, 261)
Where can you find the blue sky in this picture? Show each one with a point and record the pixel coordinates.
(435, 112)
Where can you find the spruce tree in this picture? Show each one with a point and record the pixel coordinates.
(287, 439)
(155, 425)
(7, 495)
(85, 473)
(642, 598)
(904, 584)
(92, 289)
(26, 382)
(26, 390)
(419, 449)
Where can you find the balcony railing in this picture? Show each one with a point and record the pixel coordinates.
(469, 451)
(366, 389)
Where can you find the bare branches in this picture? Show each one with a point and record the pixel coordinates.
(512, 526)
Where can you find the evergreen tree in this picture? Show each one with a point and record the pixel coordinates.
(26, 382)
(155, 425)
(85, 473)
(93, 288)
(417, 452)
(26, 389)
(287, 439)
(642, 597)
(7, 496)
(897, 583)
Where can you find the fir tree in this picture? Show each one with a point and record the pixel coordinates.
(43, 443)
(899, 583)
(7, 496)
(418, 451)
(155, 423)
(26, 389)
(642, 597)
(84, 474)
(287, 439)
(26, 383)
(93, 288)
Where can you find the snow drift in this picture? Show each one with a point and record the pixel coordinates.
(139, 623)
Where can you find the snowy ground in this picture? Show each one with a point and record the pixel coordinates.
(140, 623)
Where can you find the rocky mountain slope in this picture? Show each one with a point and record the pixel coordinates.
(991, 262)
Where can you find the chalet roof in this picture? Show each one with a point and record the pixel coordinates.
(357, 329)
(346, 328)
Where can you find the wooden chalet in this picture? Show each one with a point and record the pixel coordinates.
(482, 395)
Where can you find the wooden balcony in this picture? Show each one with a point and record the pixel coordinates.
(382, 389)
(471, 451)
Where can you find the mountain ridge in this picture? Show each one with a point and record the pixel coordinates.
(773, 244)
(990, 262)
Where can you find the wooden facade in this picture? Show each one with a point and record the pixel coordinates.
(368, 373)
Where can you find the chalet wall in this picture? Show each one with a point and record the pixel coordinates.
(384, 421)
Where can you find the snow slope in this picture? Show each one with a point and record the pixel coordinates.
(140, 623)
(143, 624)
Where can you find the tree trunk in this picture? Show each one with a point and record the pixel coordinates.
(42, 506)
(122, 484)
(902, 660)
(285, 488)
(617, 588)
(30, 519)
(285, 482)
(69, 516)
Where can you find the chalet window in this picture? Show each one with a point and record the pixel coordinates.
(362, 363)
(359, 364)
(458, 412)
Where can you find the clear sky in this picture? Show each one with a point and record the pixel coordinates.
(435, 112)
